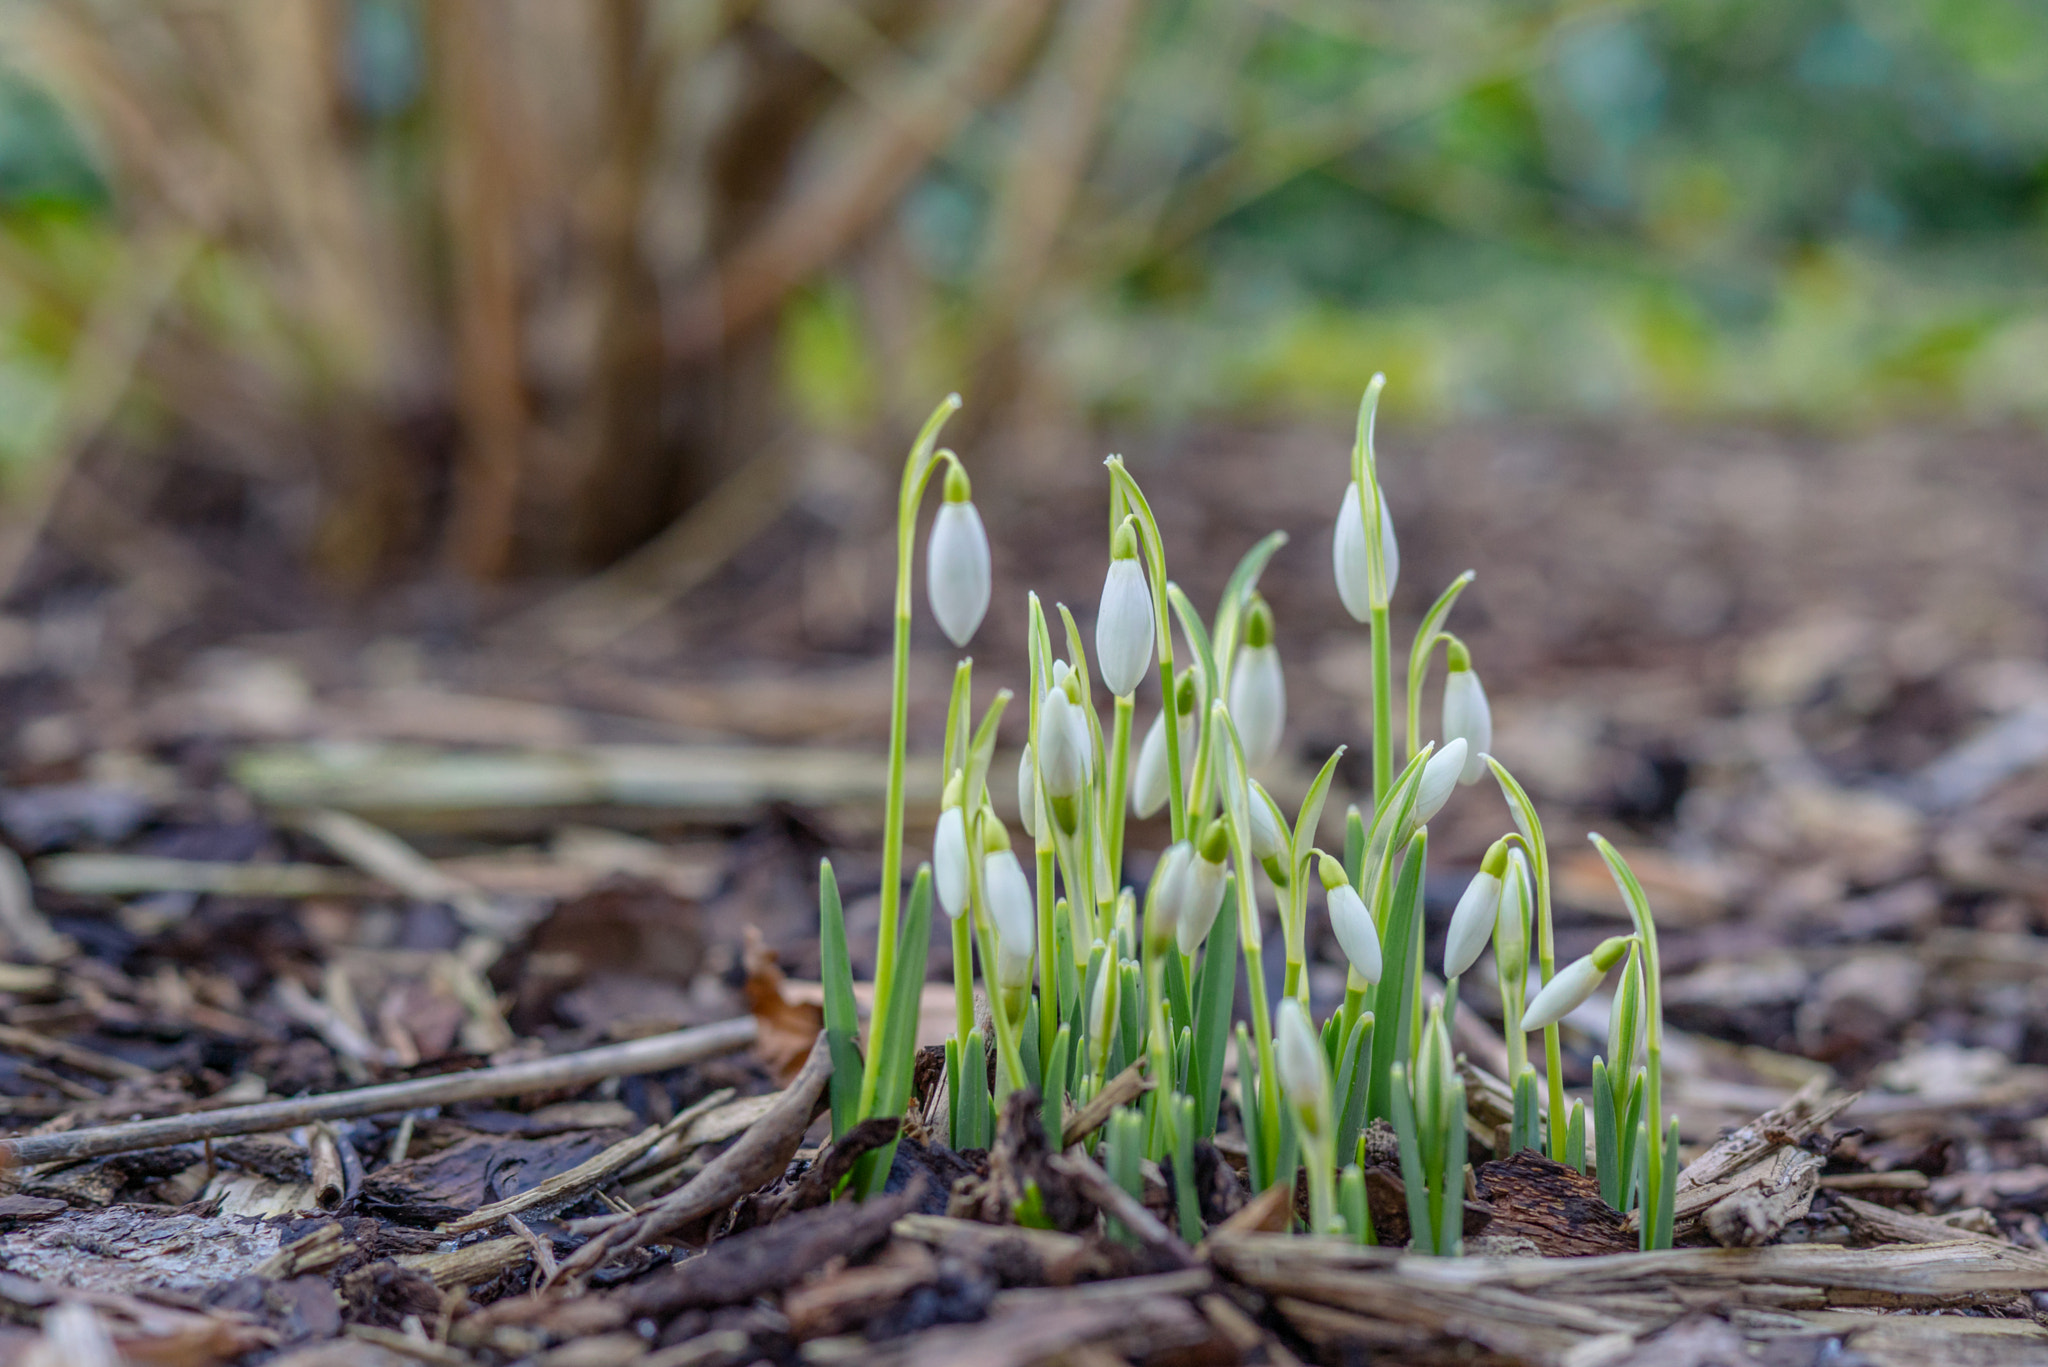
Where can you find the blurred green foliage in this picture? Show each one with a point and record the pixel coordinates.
(1831, 209)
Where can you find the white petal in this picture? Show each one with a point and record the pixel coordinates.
(1148, 780)
(1472, 923)
(1027, 793)
(1015, 917)
(1390, 549)
(957, 571)
(1511, 924)
(1123, 628)
(1258, 702)
(1563, 994)
(949, 861)
(1468, 717)
(1204, 898)
(1268, 840)
(1298, 1057)
(1439, 779)
(1356, 934)
(1062, 756)
(1348, 558)
(1166, 898)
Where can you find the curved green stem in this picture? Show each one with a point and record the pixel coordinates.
(1119, 776)
(1155, 556)
(1382, 707)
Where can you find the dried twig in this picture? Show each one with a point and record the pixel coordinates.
(656, 1054)
(760, 1154)
(1096, 1185)
(1120, 1090)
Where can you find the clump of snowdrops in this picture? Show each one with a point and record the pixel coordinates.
(1081, 977)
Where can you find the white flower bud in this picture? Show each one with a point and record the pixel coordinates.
(1298, 1058)
(1027, 792)
(1269, 839)
(1467, 715)
(1204, 890)
(1575, 982)
(1352, 560)
(1063, 750)
(1439, 779)
(1357, 936)
(957, 564)
(1166, 898)
(1016, 918)
(1258, 692)
(1472, 924)
(1123, 623)
(949, 861)
(1511, 928)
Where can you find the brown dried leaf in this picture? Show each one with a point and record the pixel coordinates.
(787, 1027)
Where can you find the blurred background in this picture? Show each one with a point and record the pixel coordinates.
(414, 406)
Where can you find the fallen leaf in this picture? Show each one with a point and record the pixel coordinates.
(787, 1027)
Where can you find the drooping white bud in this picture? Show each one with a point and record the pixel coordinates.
(1575, 982)
(1167, 896)
(1016, 919)
(1063, 750)
(950, 868)
(1258, 692)
(1352, 560)
(1298, 1058)
(957, 563)
(1205, 887)
(1357, 936)
(1472, 924)
(1027, 792)
(1123, 623)
(1149, 779)
(1511, 929)
(1467, 714)
(1269, 839)
(1439, 780)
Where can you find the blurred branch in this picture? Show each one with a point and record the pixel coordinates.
(480, 202)
(1061, 119)
(979, 57)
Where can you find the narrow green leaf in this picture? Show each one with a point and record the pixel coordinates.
(842, 1017)
(1351, 1203)
(1215, 998)
(1052, 1098)
(1237, 590)
(1395, 997)
(898, 1037)
(1421, 1235)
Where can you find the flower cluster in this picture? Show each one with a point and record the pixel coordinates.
(1080, 982)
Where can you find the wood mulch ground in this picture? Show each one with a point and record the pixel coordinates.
(264, 852)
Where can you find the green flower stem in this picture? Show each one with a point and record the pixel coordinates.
(1159, 1053)
(1553, 1049)
(1355, 991)
(1322, 1185)
(1118, 776)
(1262, 1034)
(917, 472)
(1162, 621)
(1291, 984)
(963, 976)
(1048, 980)
(1009, 1057)
(1382, 707)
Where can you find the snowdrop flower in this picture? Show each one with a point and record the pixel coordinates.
(1357, 936)
(1027, 791)
(1511, 930)
(1352, 560)
(949, 853)
(1123, 624)
(1149, 781)
(1574, 983)
(1472, 924)
(1203, 896)
(1467, 715)
(956, 567)
(1258, 693)
(1304, 1072)
(1269, 839)
(1167, 896)
(1063, 752)
(1011, 909)
(1439, 777)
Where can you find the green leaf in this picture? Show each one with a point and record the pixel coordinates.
(1354, 1082)
(1606, 1160)
(1575, 1138)
(1351, 1203)
(1180, 1119)
(1198, 641)
(1426, 636)
(1421, 1234)
(1052, 1097)
(982, 748)
(1395, 997)
(897, 1040)
(1216, 994)
(1237, 590)
(1311, 814)
(842, 1017)
(1256, 1159)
